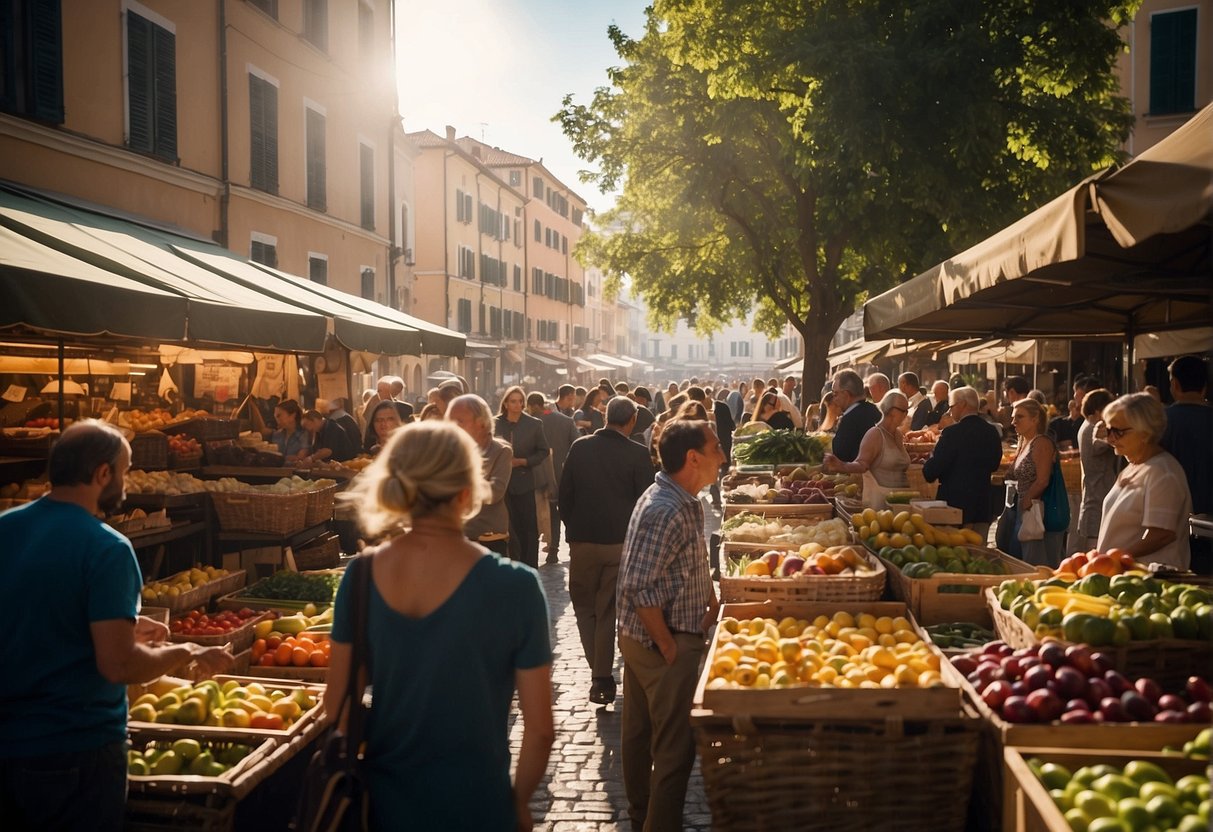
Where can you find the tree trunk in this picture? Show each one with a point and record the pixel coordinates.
(815, 371)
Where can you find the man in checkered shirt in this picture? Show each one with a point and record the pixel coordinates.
(665, 604)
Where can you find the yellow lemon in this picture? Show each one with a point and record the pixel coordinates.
(901, 623)
(929, 679)
(723, 666)
(826, 675)
(886, 640)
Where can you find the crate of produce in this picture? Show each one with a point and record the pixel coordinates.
(261, 512)
(234, 627)
(755, 530)
(937, 512)
(841, 573)
(241, 661)
(918, 482)
(179, 813)
(839, 774)
(304, 657)
(805, 685)
(149, 450)
(1137, 776)
(322, 553)
(221, 764)
(942, 596)
(286, 590)
(175, 707)
(954, 638)
(192, 588)
(319, 505)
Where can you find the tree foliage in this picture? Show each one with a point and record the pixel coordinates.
(799, 155)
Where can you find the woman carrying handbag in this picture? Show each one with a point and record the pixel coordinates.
(1032, 487)
(452, 631)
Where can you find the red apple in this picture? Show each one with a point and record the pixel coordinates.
(1097, 691)
(1149, 690)
(1038, 677)
(1079, 657)
(1053, 654)
(1113, 710)
(1078, 705)
(965, 664)
(1045, 704)
(1200, 712)
(1137, 706)
(1020, 688)
(996, 694)
(1198, 689)
(1117, 682)
(1171, 716)
(1070, 682)
(1103, 662)
(1079, 717)
(1011, 667)
(1016, 709)
(1171, 702)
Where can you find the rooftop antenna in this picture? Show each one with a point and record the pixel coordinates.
(483, 125)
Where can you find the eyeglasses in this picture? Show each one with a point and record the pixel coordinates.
(1117, 433)
(902, 409)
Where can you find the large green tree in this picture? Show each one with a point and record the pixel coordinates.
(795, 156)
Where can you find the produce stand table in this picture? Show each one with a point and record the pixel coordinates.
(193, 508)
(951, 596)
(236, 541)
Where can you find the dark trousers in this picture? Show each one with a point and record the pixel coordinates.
(554, 538)
(524, 528)
(82, 790)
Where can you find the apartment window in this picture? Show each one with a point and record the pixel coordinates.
(564, 244)
(770, 350)
(264, 250)
(673, 351)
(366, 29)
(518, 325)
(711, 349)
(366, 178)
(317, 172)
(263, 139)
(515, 178)
(151, 59)
(537, 187)
(480, 327)
(270, 7)
(459, 206)
(495, 322)
(318, 269)
(467, 263)
(1173, 62)
(31, 59)
(316, 23)
(464, 315)
(368, 283)
(517, 278)
(538, 231)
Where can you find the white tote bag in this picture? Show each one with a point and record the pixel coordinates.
(1032, 526)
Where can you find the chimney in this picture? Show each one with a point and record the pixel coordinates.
(450, 133)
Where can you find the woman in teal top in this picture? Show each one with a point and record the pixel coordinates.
(291, 438)
(453, 630)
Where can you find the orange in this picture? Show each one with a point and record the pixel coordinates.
(259, 648)
(283, 654)
(300, 656)
(272, 641)
(266, 660)
(318, 659)
(274, 722)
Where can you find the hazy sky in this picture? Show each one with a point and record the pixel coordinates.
(497, 71)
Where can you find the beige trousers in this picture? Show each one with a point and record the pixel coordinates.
(593, 573)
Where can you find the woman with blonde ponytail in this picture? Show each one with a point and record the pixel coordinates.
(452, 631)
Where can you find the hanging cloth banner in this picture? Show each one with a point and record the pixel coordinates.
(277, 375)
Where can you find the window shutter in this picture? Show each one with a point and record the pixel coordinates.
(1173, 62)
(366, 158)
(165, 80)
(139, 86)
(263, 135)
(316, 23)
(467, 208)
(317, 196)
(46, 60)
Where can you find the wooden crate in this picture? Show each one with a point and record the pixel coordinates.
(1027, 806)
(230, 783)
(240, 638)
(1168, 661)
(836, 775)
(817, 511)
(303, 674)
(176, 731)
(821, 702)
(840, 588)
(950, 596)
(937, 512)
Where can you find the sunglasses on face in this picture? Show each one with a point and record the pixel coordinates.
(1117, 433)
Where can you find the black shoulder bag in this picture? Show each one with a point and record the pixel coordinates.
(334, 795)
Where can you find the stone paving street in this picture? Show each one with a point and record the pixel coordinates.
(583, 789)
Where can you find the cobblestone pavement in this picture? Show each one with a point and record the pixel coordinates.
(583, 788)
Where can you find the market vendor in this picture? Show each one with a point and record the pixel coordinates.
(69, 606)
(292, 440)
(882, 457)
(1146, 511)
(383, 421)
(329, 440)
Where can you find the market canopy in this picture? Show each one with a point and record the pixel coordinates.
(1005, 350)
(218, 311)
(435, 339)
(356, 330)
(1125, 251)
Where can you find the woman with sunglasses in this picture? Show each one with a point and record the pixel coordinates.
(1146, 511)
(1026, 480)
(882, 458)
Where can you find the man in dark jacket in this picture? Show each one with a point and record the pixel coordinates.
(722, 418)
(965, 456)
(858, 414)
(604, 475)
(560, 433)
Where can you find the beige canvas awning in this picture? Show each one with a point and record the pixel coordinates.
(1124, 251)
(1005, 350)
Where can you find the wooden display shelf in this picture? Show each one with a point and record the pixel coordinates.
(946, 597)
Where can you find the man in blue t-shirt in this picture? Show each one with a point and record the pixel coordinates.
(1189, 438)
(69, 605)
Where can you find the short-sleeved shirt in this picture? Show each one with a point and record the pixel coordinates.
(664, 562)
(63, 569)
(438, 740)
(1151, 494)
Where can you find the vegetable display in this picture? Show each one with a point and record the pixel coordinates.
(296, 586)
(776, 447)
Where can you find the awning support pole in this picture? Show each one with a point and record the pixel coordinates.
(61, 383)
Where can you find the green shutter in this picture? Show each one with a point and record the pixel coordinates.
(164, 45)
(46, 60)
(139, 81)
(317, 196)
(1173, 62)
(263, 135)
(366, 158)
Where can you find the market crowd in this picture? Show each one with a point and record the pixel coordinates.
(619, 470)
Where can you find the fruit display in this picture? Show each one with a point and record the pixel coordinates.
(28, 490)
(959, 635)
(752, 528)
(1099, 610)
(182, 445)
(51, 422)
(306, 620)
(1074, 685)
(230, 705)
(303, 650)
(286, 485)
(845, 650)
(778, 447)
(1139, 795)
(812, 560)
(200, 758)
(904, 528)
(931, 560)
(798, 487)
(198, 622)
(157, 418)
(313, 587)
(155, 592)
(1110, 563)
(1196, 749)
(168, 483)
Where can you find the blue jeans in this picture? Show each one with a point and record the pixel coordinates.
(82, 790)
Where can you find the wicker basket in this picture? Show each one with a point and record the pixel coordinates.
(1071, 472)
(837, 775)
(320, 506)
(206, 430)
(260, 512)
(179, 461)
(814, 588)
(918, 483)
(323, 553)
(149, 451)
